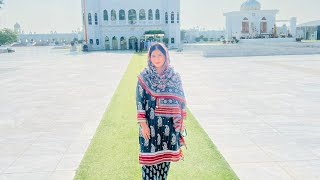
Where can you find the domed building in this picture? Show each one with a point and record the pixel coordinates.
(250, 5)
(118, 24)
(17, 28)
(253, 22)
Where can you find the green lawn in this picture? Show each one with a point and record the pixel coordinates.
(310, 41)
(113, 152)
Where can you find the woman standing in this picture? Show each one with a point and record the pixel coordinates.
(161, 111)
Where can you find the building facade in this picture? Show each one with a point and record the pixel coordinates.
(118, 24)
(45, 39)
(197, 34)
(252, 22)
(309, 30)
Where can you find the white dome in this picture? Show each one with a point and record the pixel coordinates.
(250, 5)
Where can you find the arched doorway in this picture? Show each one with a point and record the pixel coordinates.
(263, 25)
(123, 43)
(132, 40)
(107, 43)
(114, 43)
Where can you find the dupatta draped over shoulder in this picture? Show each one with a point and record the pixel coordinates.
(167, 88)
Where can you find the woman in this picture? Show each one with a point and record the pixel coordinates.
(161, 111)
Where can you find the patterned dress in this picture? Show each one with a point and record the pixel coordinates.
(163, 146)
(161, 104)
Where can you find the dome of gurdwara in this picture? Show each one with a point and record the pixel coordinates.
(250, 5)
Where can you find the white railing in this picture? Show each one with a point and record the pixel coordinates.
(113, 22)
(143, 22)
(157, 22)
(122, 22)
(132, 21)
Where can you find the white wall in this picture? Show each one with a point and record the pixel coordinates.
(124, 28)
(234, 21)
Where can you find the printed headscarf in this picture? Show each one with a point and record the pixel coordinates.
(166, 87)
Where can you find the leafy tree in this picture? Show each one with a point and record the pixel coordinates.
(166, 40)
(1, 3)
(7, 36)
(183, 34)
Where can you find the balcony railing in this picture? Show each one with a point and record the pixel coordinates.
(132, 22)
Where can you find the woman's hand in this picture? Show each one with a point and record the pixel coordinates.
(145, 130)
(183, 131)
(182, 128)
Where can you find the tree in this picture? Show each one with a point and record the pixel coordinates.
(183, 34)
(7, 36)
(166, 40)
(1, 3)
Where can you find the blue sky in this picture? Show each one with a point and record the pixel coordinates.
(42, 16)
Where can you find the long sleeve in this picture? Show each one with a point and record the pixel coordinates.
(140, 102)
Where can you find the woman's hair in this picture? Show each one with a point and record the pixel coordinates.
(159, 47)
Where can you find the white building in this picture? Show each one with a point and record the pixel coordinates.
(117, 24)
(194, 35)
(17, 28)
(309, 30)
(252, 22)
(45, 39)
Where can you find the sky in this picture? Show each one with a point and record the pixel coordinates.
(43, 16)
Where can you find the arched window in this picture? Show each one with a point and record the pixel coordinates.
(107, 43)
(97, 41)
(150, 15)
(105, 15)
(245, 25)
(263, 25)
(122, 15)
(142, 14)
(113, 15)
(123, 43)
(89, 19)
(157, 14)
(132, 15)
(178, 17)
(96, 19)
(114, 43)
(172, 17)
(172, 40)
(166, 16)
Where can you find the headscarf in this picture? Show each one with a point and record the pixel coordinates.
(166, 87)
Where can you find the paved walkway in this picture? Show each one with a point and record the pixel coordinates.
(51, 103)
(262, 113)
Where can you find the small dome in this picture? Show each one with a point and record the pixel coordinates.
(17, 25)
(250, 5)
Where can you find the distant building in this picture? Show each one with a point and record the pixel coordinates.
(252, 22)
(199, 35)
(118, 24)
(45, 39)
(309, 30)
(17, 28)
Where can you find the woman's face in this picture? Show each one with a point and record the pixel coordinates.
(157, 58)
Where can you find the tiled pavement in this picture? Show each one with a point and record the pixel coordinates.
(50, 107)
(262, 113)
